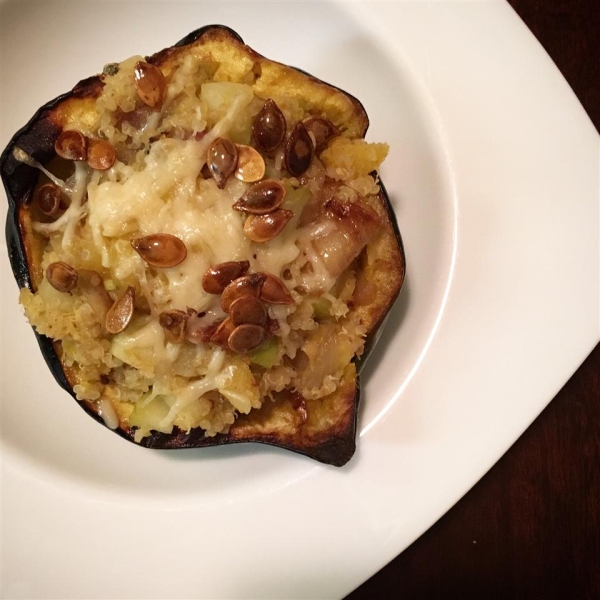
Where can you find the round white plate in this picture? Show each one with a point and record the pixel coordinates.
(494, 177)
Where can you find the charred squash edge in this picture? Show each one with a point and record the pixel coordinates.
(334, 446)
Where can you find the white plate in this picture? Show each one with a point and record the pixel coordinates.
(494, 176)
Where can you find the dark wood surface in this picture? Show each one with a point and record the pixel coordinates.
(530, 529)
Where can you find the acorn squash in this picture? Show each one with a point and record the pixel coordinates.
(205, 249)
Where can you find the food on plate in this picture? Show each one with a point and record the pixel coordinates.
(204, 248)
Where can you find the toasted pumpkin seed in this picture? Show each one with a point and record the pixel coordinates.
(299, 151)
(269, 126)
(101, 154)
(264, 228)
(120, 313)
(49, 199)
(246, 337)
(250, 284)
(161, 250)
(248, 309)
(322, 129)
(217, 278)
(261, 198)
(274, 291)
(61, 276)
(222, 159)
(221, 336)
(150, 84)
(250, 164)
(173, 322)
(71, 145)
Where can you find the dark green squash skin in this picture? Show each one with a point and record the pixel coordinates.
(37, 139)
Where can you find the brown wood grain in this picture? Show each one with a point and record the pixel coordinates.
(530, 529)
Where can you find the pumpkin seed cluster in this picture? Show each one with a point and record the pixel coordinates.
(243, 297)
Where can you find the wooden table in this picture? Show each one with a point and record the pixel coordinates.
(531, 527)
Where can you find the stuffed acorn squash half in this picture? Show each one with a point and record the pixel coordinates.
(204, 248)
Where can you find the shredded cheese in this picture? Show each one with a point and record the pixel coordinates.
(25, 158)
(76, 210)
(196, 389)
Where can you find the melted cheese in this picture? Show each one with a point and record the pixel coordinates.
(143, 348)
(193, 391)
(69, 219)
(167, 197)
(23, 157)
(276, 254)
(107, 413)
